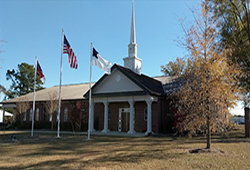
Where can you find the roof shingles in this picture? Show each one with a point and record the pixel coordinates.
(68, 92)
(153, 86)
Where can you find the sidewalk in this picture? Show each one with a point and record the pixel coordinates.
(96, 133)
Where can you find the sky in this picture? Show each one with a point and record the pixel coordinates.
(30, 28)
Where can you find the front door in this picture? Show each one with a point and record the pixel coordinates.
(123, 124)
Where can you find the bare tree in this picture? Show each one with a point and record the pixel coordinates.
(22, 106)
(51, 105)
(2, 89)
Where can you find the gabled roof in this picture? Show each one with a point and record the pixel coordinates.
(68, 92)
(149, 85)
(156, 86)
(171, 84)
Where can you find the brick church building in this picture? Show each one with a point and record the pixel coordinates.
(124, 101)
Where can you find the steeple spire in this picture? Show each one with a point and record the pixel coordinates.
(132, 33)
(132, 61)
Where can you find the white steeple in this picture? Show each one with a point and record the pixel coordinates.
(132, 33)
(132, 61)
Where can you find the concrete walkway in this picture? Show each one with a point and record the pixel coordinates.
(96, 133)
(114, 133)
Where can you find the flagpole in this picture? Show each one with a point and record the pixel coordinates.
(34, 100)
(90, 104)
(59, 105)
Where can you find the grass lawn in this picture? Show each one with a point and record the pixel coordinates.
(45, 151)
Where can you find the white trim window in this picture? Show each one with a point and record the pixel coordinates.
(50, 117)
(65, 114)
(24, 116)
(145, 114)
(37, 114)
(31, 111)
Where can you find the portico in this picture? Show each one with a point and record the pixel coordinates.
(131, 100)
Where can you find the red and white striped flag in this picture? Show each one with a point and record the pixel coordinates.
(68, 50)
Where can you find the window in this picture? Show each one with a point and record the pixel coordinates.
(65, 115)
(146, 114)
(37, 114)
(24, 116)
(31, 111)
(109, 115)
(50, 117)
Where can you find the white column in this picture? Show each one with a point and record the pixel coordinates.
(92, 117)
(149, 117)
(106, 110)
(131, 119)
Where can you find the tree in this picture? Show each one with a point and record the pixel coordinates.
(213, 86)
(177, 68)
(22, 81)
(2, 89)
(174, 68)
(22, 106)
(233, 17)
(51, 105)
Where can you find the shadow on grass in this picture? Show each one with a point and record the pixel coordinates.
(54, 164)
(75, 149)
(137, 157)
(106, 159)
(78, 153)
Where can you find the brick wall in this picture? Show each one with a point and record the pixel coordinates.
(156, 116)
(99, 116)
(114, 114)
(77, 117)
(78, 112)
(140, 123)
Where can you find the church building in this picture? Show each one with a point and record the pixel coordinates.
(124, 101)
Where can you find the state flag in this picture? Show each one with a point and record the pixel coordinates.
(39, 72)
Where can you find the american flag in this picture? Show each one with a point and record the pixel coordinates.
(68, 50)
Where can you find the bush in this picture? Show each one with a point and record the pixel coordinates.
(27, 125)
(66, 126)
(231, 126)
(42, 125)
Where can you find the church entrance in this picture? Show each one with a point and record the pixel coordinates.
(123, 118)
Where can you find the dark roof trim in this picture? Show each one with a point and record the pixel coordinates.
(138, 79)
(134, 93)
(133, 77)
(42, 101)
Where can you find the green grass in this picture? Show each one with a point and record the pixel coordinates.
(45, 151)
